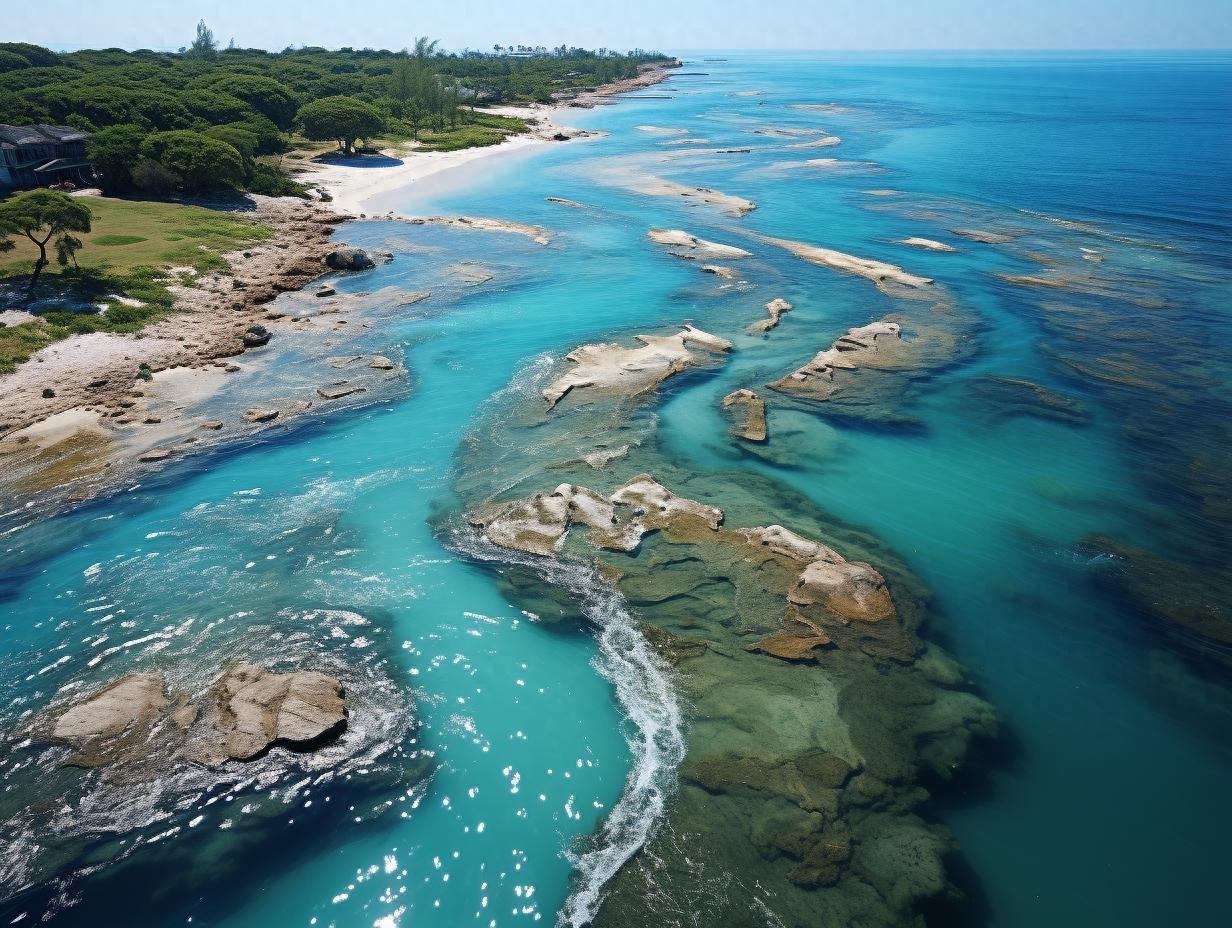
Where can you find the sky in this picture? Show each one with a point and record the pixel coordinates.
(662, 25)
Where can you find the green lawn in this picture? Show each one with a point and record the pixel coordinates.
(127, 253)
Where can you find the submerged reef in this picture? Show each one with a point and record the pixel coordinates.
(815, 711)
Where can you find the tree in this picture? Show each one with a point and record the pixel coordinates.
(201, 162)
(41, 216)
(402, 80)
(204, 45)
(113, 152)
(341, 119)
(272, 99)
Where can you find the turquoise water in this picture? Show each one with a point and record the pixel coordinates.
(333, 539)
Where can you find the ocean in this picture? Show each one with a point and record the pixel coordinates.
(1044, 486)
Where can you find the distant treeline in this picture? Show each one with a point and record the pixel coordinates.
(200, 118)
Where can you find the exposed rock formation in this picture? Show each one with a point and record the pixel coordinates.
(661, 187)
(255, 336)
(335, 391)
(847, 591)
(251, 709)
(347, 258)
(244, 713)
(827, 142)
(537, 234)
(879, 272)
(719, 270)
(752, 409)
(775, 308)
(684, 245)
(616, 370)
(850, 590)
(872, 345)
(927, 243)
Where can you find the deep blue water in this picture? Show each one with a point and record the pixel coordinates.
(1106, 803)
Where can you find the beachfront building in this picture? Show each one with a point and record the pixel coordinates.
(42, 155)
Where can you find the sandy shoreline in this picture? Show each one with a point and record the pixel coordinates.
(355, 183)
(86, 426)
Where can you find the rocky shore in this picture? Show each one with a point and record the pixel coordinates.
(210, 322)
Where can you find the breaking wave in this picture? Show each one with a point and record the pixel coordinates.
(648, 700)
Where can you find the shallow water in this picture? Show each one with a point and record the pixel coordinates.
(1103, 803)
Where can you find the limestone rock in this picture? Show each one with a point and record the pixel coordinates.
(616, 370)
(753, 426)
(881, 273)
(684, 245)
(865, 346)
(259, 414)
(926, 243)
(112, 720)
(246, 711)
(851, 590)
(254, 709)
(775, 308)
(335, 391)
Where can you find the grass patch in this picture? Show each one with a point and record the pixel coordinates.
(141, 241)
(139, 233)
(118, 239)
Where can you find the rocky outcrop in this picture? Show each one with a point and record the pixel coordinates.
(250, 710)
(845, 591)
(871, 345)
(336, 391)
(927, 244)
(255, 336)
(730, 204)
(719, 270)
(347, 258)
(828, 141)
(114, 720)
(683, 245)
(615, 370)
(879, 272)
(260, 415)
(775, 309)
(751, 410)
(539, 524)
(537, 234)
(246, 711)
(851, 590)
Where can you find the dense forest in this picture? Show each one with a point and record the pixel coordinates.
(208, 118)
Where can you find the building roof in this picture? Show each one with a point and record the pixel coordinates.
(40, 134)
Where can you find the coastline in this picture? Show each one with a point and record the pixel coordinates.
(94, 376)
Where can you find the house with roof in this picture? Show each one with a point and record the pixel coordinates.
(42, 155)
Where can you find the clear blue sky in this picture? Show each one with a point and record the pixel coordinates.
(660, 24)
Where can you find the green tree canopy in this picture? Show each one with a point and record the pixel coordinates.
(38, 56)
(341, 119)
(114, 152)
(44, 216)
(272, 99)
(200, 162)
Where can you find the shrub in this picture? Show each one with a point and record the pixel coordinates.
(202, 163)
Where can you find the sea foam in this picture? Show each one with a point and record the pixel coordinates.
(647, 698)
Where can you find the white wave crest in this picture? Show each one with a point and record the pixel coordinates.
(646, 696)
